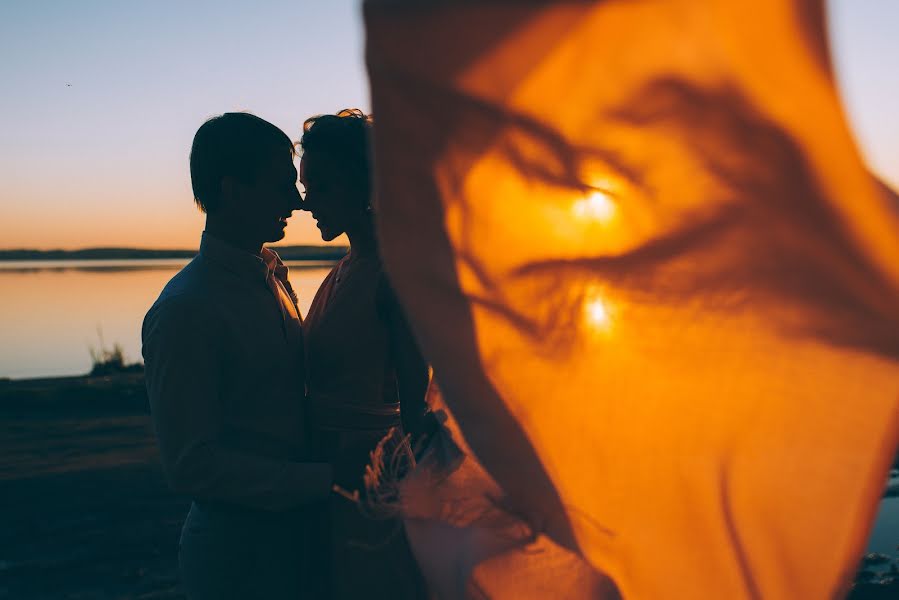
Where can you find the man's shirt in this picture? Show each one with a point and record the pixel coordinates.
(225, 378)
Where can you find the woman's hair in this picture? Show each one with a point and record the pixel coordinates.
(232, 144)
(345, 138)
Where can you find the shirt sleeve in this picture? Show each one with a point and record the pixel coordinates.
(183, 361)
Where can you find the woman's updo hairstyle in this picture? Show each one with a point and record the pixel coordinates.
(345, 137)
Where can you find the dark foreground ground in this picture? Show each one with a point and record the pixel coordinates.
(84, 510)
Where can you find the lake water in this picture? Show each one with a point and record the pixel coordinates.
(52, 313)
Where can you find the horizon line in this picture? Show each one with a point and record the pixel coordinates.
(154, 249)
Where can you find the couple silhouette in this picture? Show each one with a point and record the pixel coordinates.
(264, 416)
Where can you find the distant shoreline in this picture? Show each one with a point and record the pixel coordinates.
(286, 253)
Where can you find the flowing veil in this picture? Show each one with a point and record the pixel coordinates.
(657, 284)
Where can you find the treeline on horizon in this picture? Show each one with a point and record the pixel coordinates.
(286, 253)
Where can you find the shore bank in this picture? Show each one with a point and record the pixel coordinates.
(85, 511)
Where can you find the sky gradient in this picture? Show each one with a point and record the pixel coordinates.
(101, 100)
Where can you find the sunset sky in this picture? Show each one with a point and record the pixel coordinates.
(101, 100)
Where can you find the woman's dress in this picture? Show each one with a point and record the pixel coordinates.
(352, 393)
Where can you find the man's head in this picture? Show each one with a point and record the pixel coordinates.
(243, 176)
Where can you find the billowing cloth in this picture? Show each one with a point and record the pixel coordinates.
(658, 287)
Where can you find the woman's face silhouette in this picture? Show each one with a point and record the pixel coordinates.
(335, 203)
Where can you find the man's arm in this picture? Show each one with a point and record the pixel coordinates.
(182, 354)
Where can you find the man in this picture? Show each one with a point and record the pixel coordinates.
(223, 349)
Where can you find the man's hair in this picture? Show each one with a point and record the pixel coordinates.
(345, 137)
(234, 144)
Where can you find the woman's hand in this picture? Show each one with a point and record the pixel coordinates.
(421, 425)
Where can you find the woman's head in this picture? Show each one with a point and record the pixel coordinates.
(335, 171)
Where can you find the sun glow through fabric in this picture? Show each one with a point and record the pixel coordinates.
(596, 206)
(596, 313)
(658, 287)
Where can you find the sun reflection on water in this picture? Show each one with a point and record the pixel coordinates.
(596, 311)
(596, 206)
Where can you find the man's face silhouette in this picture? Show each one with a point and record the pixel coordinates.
(261, 208)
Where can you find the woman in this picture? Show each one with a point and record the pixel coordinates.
(364, 371)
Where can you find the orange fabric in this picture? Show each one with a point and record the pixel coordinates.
(658, 286)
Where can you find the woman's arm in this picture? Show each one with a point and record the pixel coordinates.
(409, 365)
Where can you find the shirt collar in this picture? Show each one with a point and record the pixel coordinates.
(241, 262)
(274, 264)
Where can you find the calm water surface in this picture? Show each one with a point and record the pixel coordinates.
(52, 313)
